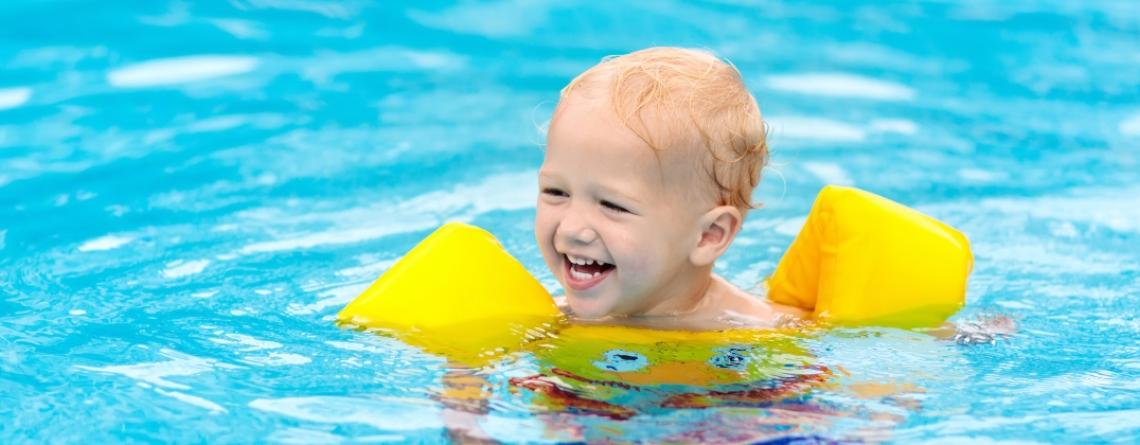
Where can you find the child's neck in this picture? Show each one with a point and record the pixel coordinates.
(690, 297)
(716, 305)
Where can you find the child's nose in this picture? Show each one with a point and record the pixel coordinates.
(576, 228)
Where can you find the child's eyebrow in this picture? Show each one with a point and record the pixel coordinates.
(545, 176)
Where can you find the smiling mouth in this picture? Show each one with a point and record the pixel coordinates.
(584, 273)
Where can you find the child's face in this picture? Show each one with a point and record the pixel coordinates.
(606, 197)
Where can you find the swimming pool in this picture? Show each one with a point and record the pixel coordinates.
(190, 191)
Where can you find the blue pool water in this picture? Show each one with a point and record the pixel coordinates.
(189, 191)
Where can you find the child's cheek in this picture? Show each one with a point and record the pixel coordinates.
(544, 226)
(631, 264)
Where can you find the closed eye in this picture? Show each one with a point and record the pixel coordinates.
(615, 207)
(551, 191)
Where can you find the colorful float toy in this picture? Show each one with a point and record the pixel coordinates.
(860, 259)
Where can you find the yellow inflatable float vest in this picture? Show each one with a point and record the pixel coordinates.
(859, 259)
(655, 357)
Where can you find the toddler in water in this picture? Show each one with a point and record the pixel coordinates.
(650, 164)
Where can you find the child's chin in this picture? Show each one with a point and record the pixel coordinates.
(587, 308)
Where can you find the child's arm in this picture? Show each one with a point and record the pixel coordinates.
(984, 329)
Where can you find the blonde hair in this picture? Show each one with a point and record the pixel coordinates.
(700, 93)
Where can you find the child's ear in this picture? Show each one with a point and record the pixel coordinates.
(719, 227)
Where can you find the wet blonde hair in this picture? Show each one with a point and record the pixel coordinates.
(693, 93)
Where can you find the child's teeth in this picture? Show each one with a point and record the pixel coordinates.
(581, 261)
(583, 275)
(584, 261)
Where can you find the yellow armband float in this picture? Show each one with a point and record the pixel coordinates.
(864, 259)
(456, 293)
(860, 259)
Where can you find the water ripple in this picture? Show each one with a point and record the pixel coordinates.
(180, 70)
(841, 85)
(14, 97)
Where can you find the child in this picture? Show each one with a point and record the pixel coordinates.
(650, 164)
